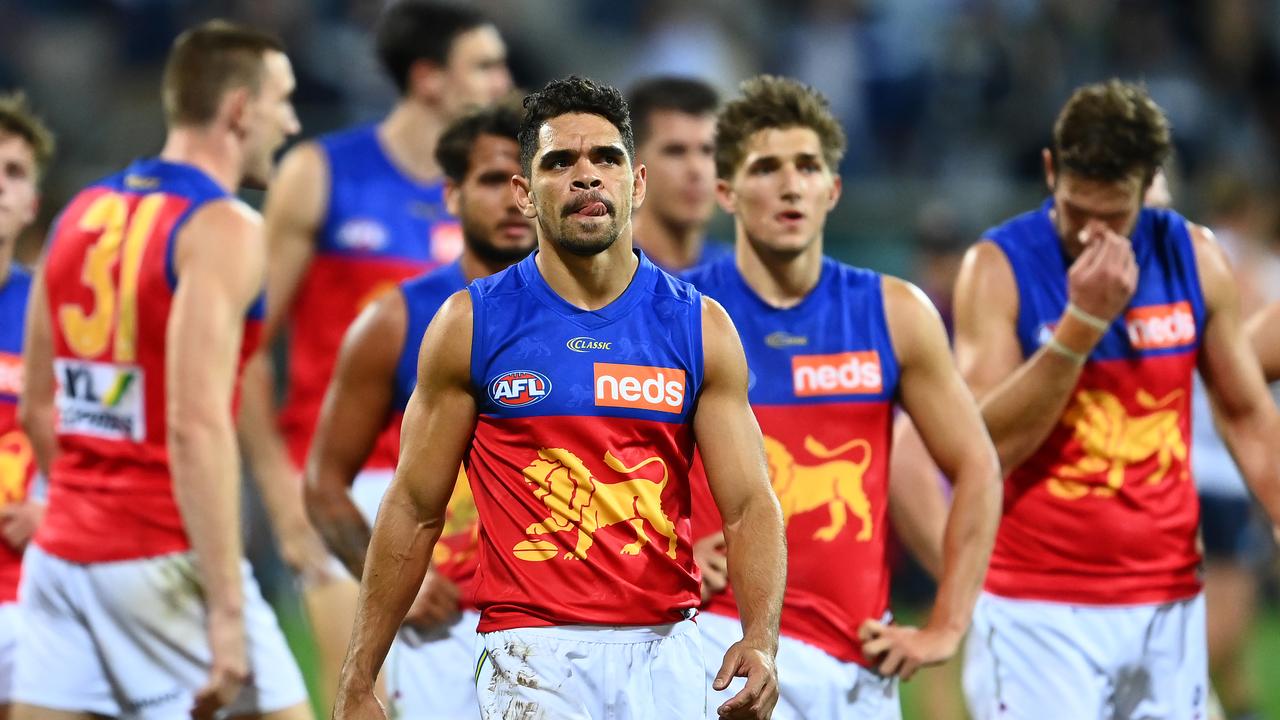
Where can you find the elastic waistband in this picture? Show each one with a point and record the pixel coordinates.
(602, 634)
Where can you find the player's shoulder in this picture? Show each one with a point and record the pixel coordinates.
(709, 276)
(347, 139)
(508, 282)
(665, 285)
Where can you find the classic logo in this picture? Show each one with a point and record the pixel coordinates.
(362, 234)
(1155, 327)
(835, 485)
(585, 344)
(847, 373)
(578, 502)
(639, 387)
(141, 182)
(10, 374)
(101, 400)
(1113, 440)
(519, 388)
(782, 339)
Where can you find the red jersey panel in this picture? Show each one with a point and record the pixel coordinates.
(110, 281)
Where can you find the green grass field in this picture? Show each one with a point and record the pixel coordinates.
(1264, 658)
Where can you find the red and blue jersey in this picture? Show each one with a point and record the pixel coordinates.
(109, 280)
(17, 461)
(823, 377)
(1105, 511)
(582, 450)
(380, 228)
(455, 555)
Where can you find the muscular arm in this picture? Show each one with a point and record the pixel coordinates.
(438, 425)
(1264, 334)
(733, 454)
(220, 268)
(36, 410)
(355, 411)
(294, 210)
(1247, 417)
(943, 410)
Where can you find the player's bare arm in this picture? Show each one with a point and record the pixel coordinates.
(293, 213)
(220, 268)
(733, 453)
(438, 425)
(942, 409)
(36, 410)
(1261, 329)
(1246, 415)
(917, 505)
(1022, 401)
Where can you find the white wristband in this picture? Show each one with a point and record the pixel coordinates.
(1068, 353)
(1089, 319)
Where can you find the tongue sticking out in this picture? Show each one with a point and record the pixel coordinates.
(595, 209)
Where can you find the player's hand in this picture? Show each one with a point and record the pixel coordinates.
(230, 667)
(436, 603)
(304, 552)
(709, 555)
(18, 522)
(351, 705)
(756, 700)
(1102, 280)
(902, 650)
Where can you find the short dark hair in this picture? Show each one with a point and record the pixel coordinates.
(1108, 130)
(771, 102)
(207, 61)
(16, 118)
(573, 94)
(413, 30)
(453, 151)
(668, 92)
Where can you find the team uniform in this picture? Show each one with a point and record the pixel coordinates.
(823, 378)
(580, 465)
(17, 461)
(430, 674)
(380, 227)
(1092, 604)
(114, 620)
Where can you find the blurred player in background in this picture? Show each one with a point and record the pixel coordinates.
(1079, 326)
(830, 349)
(26, 149)
(351, 215)
(430, 673)
(568, 383)
(136, 600)
(675, 126)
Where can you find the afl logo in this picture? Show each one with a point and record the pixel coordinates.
(585, 344)
(519, 388)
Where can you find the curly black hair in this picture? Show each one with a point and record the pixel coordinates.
(1107, 131)
(573, 94)
(453, 152)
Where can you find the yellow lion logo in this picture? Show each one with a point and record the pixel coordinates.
(1113, 440)
(835, 485)
(15, 464)
(577, 501)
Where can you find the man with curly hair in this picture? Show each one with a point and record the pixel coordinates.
(1079, 326)
(579, 453)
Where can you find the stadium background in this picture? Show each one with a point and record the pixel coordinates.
(946, 104)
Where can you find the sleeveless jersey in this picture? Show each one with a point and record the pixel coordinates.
(381, 227)
(580, 461)
(823, 377)
(110, 279)
(17, 460)
(1105, 511)
(455, 554)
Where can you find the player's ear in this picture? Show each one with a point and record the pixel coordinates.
(452, 197)
(640, 186)
(235, 109)
(725, 195)
(837, 185)
(1050, 173)
(524, 196)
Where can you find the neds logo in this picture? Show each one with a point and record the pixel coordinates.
(847, 373)
(1154, 327)
(519, 388)
(10, 374)
(640, 387)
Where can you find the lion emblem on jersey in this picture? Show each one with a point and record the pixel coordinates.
(15, 465)
(577, 501)
(835, 485)
(1113, 440)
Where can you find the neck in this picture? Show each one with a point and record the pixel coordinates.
(217, 154)
(590, 282)
(7, 246)
(410, 135)
(475, 267)
(671, 245)
(782, 280)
